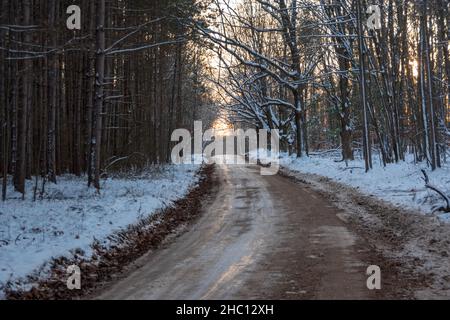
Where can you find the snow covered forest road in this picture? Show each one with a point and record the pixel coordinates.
(259, 238)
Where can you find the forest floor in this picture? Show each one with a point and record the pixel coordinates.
(294, 237)
(68, 221)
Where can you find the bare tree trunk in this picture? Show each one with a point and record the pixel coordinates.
(344, 115)
(99, 93)
(298, 123)
(362, 76)
(90, 94)
(26, 92)
(433, 138)
(4, 96)
(52, 96)
(423, 84)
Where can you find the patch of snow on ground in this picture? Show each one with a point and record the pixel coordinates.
(70, 216)
(399, 184)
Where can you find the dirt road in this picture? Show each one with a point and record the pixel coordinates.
(258, 238)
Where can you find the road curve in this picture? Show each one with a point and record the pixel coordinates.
(258, 238)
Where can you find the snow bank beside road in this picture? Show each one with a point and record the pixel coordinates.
(70, 216)
(399, 184)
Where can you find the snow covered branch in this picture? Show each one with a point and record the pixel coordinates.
(446, 198)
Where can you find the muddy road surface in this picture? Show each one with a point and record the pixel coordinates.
(259, 237)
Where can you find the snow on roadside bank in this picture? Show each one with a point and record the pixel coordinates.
(399, 184)
(70, 216)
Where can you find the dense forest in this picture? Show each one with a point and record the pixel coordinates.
(327, 73)
(106, 96)
(367, 76)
